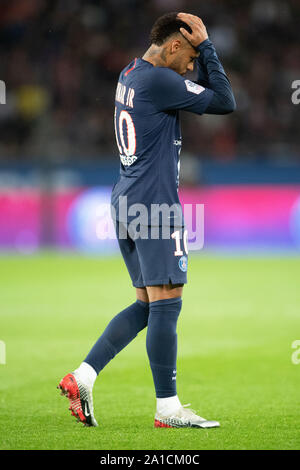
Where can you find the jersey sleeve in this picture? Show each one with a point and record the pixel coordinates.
(211, 74)
(170, 91)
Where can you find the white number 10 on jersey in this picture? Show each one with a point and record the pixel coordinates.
(127, 147)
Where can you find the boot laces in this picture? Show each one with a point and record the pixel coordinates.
(189, 413)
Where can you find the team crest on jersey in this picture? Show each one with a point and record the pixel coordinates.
(193, 87)
(183, 263)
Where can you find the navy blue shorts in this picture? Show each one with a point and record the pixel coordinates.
(154, 261)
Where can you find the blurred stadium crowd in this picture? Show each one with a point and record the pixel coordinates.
(61, 59)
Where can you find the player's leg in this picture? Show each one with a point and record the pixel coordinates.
(161, 342)
(166, 291)
(120, 331)
(165, 280)
(164, 275)
(141, 294)
(165, 306)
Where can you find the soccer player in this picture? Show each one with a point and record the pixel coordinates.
(150, 92)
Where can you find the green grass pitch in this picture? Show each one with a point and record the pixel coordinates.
(239, 319)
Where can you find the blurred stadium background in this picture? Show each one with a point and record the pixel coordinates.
(60, 62)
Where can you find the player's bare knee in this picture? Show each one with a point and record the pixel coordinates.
(141, 294)
(165, 291)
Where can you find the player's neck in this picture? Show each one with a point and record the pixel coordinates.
(156, 55)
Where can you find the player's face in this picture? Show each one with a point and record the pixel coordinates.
(183, 59)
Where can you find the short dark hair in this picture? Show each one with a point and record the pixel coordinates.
(165, 26)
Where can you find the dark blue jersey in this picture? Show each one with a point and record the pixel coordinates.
(147, 104)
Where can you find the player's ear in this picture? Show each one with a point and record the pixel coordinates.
(175, 46)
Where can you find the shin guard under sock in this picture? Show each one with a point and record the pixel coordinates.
(161, 343)
(119, 332)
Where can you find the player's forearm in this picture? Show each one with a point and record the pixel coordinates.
(211, 74)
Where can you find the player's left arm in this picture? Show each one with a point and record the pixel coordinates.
(211, 74)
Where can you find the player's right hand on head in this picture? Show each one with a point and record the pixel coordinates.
(199, 33)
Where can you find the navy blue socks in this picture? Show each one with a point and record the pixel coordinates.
(161, 343)
(119, 332)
